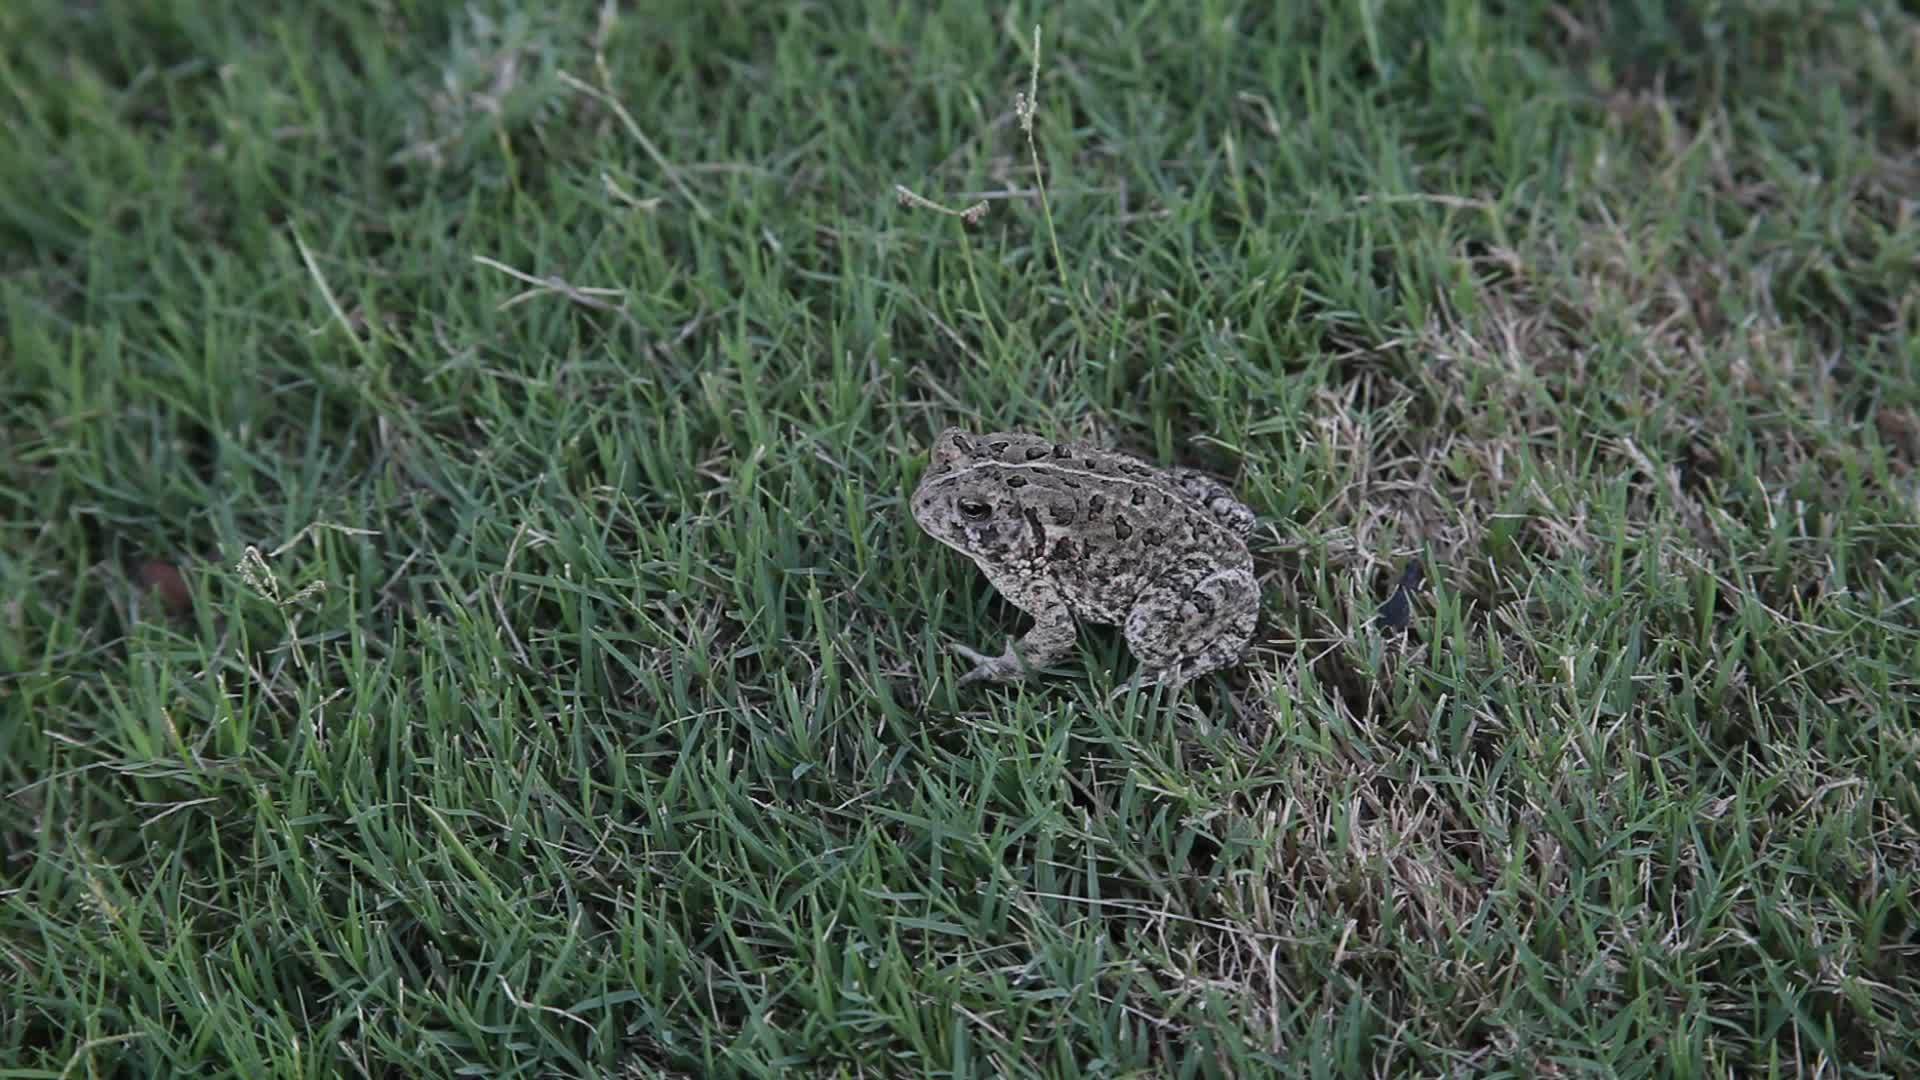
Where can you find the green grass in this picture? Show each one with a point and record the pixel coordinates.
(565, 687)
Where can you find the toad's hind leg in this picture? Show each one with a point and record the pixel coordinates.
(1195, 618)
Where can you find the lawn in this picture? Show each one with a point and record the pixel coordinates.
(460, 613)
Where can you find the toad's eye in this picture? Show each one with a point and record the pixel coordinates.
(973, 509)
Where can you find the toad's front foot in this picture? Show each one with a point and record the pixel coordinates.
(1007, 667)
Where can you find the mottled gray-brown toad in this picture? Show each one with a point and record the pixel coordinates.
(1068, 531)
